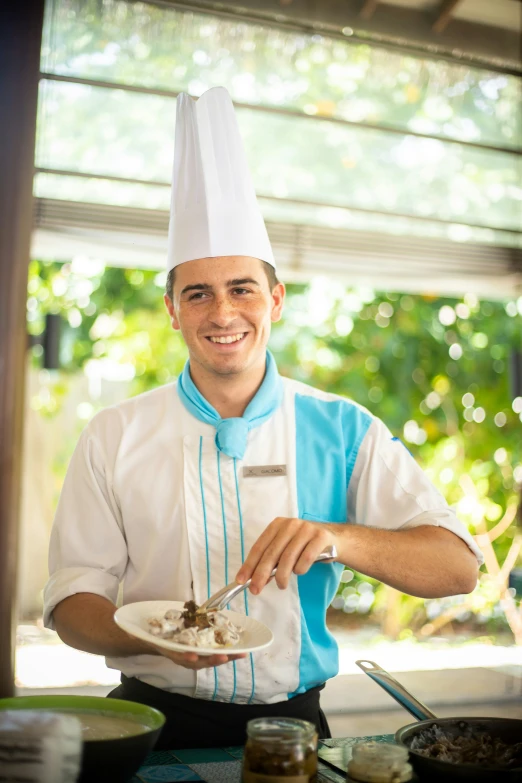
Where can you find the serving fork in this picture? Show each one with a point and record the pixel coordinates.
(223, 597)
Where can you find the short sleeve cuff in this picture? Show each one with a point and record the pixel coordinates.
(446, 518)
(69, 581)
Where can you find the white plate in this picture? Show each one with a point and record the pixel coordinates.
(132, 618)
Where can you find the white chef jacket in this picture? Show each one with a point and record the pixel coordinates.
(150, 503)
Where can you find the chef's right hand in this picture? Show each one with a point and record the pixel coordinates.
(193, 661)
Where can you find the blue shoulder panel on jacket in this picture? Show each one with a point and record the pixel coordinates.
(328, 437)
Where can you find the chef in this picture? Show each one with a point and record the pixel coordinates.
(231, 471)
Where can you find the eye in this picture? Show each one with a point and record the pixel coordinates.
(241, 291)
(197, 295)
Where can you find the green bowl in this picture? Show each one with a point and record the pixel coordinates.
(103, 761)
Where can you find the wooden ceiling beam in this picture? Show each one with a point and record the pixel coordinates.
(368, 9)
(404, 29)
(444, 15)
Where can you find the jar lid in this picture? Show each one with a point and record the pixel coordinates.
(380, 762)
(280, 729)
(380, 752)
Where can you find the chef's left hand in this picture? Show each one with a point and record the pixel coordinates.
(294, 544)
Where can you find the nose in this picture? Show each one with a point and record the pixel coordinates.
(223, 311)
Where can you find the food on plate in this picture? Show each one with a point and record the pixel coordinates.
(205, 629)
(468, 747)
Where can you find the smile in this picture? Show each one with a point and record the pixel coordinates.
(231, 338)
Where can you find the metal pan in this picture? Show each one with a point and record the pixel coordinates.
(431, 769)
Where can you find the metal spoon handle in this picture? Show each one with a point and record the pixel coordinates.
(396, 690)
(223, 597)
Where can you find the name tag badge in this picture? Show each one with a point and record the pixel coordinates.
(264, 471)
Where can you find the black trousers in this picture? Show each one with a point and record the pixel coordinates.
(197, 723)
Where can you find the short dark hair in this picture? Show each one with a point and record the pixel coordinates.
(269, 271)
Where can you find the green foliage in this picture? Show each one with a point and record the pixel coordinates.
(112, 317)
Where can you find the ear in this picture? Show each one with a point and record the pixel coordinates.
(278, 299)
(169, 304)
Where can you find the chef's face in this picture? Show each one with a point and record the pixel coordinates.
(224, 308)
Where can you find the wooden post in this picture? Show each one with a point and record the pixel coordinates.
(368, 9)
(444, 15)
(20, 43)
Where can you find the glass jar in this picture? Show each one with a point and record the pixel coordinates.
(379, 762)
(280, 750)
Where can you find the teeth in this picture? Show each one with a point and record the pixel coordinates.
(230, 339)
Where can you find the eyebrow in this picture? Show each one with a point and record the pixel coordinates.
(230, 284)
(196, 287)
(242, 281)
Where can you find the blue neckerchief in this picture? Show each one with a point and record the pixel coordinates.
(231, 434)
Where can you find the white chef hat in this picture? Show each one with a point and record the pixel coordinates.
(214, 211)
